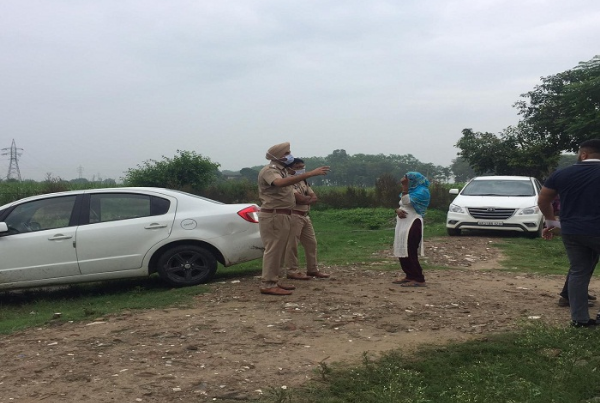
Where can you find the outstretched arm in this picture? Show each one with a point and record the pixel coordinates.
(291, 180)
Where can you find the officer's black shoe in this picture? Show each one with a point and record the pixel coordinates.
(590, 323)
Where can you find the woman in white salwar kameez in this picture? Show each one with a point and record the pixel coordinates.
(408, 235)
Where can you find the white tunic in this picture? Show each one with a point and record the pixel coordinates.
(403, 225)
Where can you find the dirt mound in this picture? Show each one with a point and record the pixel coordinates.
(235, 343)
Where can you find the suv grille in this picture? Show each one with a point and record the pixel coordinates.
(491, 213)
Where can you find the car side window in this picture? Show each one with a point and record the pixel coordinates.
(41, 215)
(159, 206)
(123, 206)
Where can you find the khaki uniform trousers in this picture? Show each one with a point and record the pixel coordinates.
(301, 230)
(275, 231)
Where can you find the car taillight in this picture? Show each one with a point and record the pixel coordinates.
(250, 214)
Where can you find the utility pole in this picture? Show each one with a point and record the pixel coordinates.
(80, 171)
(13, 166)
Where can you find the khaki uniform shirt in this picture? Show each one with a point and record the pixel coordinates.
(304, 189)
(275, 197)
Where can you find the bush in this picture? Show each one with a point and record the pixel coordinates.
(186, 171)
(344, 198)
(233, 192)
(387, 191)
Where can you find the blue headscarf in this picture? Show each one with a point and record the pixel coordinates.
(419, 194)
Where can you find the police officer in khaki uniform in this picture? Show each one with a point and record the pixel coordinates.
(277, 201)
(301, 228)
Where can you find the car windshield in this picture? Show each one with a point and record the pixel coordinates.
(499, 187)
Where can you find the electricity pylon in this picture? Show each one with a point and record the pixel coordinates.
(13, 166)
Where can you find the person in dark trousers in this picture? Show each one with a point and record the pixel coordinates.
(563, 295)
(578, 188)
(408, 233)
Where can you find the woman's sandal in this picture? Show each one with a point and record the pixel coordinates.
(402, 281)
(413, 284)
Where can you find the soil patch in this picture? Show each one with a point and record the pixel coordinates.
(235, 343)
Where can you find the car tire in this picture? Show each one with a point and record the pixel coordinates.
(539, 232)
(186, 265)
(453, 231)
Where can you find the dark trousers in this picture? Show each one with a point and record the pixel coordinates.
(583, 254)
(410, 264)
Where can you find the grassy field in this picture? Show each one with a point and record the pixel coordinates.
(536, 364)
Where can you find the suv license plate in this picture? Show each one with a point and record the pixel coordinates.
(499, 223)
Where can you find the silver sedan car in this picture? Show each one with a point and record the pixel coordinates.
(101, 234)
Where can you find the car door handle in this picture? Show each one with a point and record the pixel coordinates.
(155, 226)
(60, 237)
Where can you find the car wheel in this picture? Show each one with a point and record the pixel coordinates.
(187, 265)
(539, 231)
(453, 231)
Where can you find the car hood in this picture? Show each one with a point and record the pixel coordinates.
(495, 201)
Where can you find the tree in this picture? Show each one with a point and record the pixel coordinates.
(526, 156)
(557, 116)
(488, 154)
(564, 110)
(462, 170)
(249, 174)
(483, 151)
(186, 171)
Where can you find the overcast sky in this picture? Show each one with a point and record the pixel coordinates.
(96, 87)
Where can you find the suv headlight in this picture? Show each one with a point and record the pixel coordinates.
(529, 211)
(453, 208)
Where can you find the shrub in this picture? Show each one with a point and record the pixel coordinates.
(233, 192)
(186, 171)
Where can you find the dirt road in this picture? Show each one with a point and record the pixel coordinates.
(235, 343)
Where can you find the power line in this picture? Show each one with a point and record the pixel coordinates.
(13, 166)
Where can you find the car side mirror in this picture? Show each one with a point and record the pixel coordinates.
(453, 191)
(3, 228)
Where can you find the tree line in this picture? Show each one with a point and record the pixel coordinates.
(362, 170)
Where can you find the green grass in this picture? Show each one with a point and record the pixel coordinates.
(539, 364)
(31, 308)
(534, 255)
(352, 238)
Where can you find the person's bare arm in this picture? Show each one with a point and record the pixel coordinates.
(545, 202)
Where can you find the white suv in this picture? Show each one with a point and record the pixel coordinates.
(504, 203)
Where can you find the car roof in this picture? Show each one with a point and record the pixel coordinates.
(155, 190)
(115, 189)
(502, 177)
